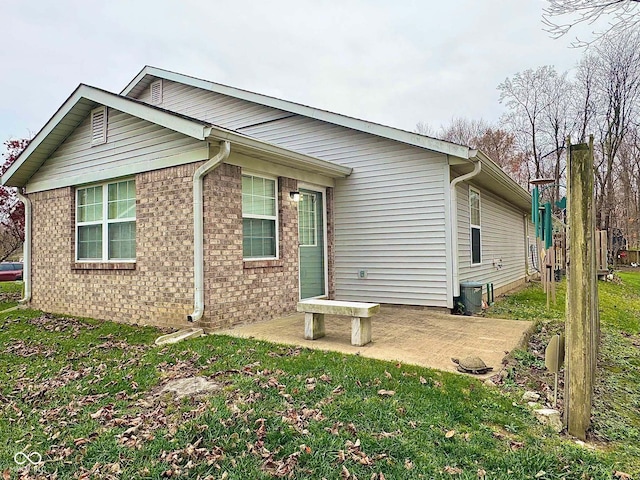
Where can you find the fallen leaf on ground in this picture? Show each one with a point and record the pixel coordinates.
(450, 434)
(345, 473)
(516, 445)
(624, 476)
(386, 393)
(452, 470)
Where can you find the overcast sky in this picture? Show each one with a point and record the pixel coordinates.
(393, 62)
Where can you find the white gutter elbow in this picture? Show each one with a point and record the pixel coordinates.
(26, 250)
(454, 223)
(198, 229)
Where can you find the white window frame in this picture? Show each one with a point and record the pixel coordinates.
(315, 229)
(263, 217)
(473, 226)
(103, 134)
(105, 222)
(160, 86)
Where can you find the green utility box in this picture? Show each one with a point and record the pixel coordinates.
(471, 297)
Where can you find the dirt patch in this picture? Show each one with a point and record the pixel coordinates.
(526, 367)
(191, 386)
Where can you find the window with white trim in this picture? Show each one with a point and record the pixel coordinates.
(307, 229)
(106, 222)
(474, 220)
(156, 92)
(98, 126)
(259, 217)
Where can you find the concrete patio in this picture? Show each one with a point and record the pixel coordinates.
(420, 337)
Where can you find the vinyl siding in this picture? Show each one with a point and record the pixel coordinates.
(389, 213)
(131, 145)
(212, 107)
(502, 238)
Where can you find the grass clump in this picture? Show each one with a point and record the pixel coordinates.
(89, 397)
(10, 293)
(616, 407)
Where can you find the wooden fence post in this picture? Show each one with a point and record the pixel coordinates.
(581, 308)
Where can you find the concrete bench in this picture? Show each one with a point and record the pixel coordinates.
(360, 313)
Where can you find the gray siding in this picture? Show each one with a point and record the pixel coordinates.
(389, 214)
(212, 107)
(502, 238)
(131, 145)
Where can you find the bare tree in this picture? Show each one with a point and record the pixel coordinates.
(496, 142)
(583, 97)
(623, 16)
(617, 98)
(425, 129)
(464, 131)
(557, 122)
(11, 209)
(527, 99)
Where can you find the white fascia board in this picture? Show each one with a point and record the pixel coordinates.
(303, 161)
(197, 130)
(131, 85)
(512, 190)
(403, 136)
(42, 134)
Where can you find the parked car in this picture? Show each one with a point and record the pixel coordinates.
(10, 271)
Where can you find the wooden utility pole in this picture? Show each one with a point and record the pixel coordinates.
(581, 328)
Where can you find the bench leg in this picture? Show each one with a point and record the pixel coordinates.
(360, 331)
(313, 325)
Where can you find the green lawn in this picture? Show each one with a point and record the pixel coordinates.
(86, 396)
(616, 413)
(10, 293)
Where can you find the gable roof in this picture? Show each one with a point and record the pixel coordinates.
(85, 98)
(148, 74)
(491, 175)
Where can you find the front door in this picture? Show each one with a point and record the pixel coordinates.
(312, 244)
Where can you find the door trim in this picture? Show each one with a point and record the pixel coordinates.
(325, 253)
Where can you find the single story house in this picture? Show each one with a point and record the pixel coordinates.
(182, 200)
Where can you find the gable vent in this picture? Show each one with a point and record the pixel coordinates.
(156, 92)
(99, 126)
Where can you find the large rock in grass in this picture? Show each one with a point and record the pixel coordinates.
(530, 397)
(551, 417)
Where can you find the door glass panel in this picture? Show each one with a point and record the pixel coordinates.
(307, 220)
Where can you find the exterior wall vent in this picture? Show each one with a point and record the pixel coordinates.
(99, 126)
(156, 92)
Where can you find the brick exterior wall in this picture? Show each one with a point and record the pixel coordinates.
(158, 288)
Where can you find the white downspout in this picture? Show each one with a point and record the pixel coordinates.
(454, 224)
(26, 250)
(198, 235)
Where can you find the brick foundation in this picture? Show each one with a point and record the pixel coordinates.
(158, 289)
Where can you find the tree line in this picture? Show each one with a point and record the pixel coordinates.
(544, 107)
